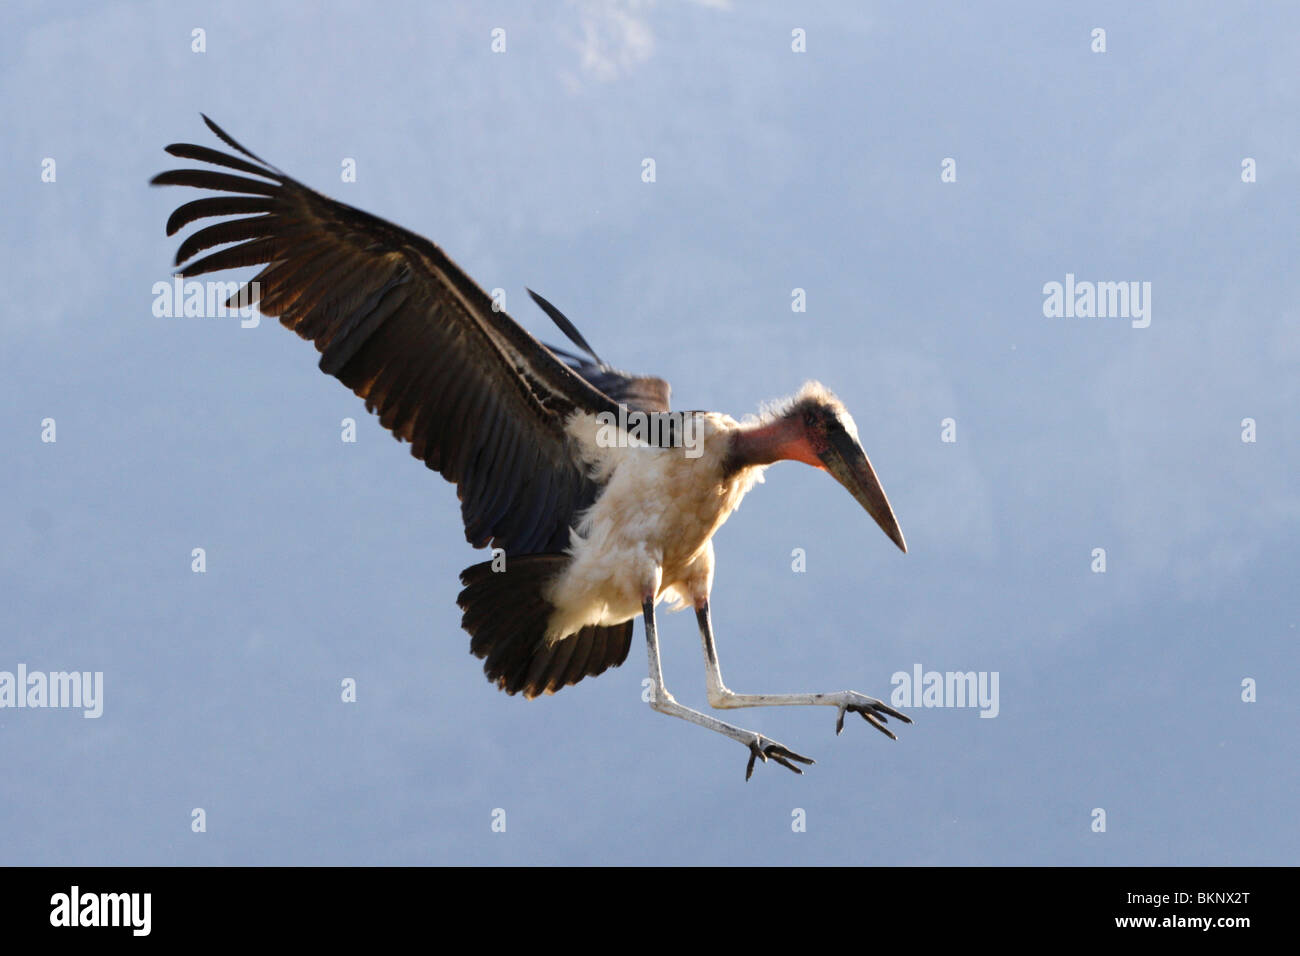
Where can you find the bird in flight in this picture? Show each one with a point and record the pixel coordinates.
(598, 500)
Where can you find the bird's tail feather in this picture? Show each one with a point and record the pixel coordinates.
(506, 615)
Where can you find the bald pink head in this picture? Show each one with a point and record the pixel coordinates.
(817, 430)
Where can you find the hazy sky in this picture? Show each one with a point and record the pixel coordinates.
(775, 170)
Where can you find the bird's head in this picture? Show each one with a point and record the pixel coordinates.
(815, 428)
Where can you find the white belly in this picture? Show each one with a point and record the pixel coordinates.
(648, 533)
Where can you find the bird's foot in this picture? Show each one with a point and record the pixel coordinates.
(874, 712)
(761, 748)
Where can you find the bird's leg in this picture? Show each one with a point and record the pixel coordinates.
(760, 747)
(873, 711)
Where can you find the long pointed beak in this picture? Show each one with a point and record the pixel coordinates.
(846, 460)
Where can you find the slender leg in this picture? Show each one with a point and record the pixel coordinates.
(760, 747)
(874, 712)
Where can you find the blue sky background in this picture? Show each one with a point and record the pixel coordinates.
(775, 170)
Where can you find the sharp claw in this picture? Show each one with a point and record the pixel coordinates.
(893, 713)
(875, 721)
(876, 713)
(778, 751)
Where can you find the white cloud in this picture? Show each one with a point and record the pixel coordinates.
(614, 38)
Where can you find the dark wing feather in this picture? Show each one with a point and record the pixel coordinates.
(479, 399)
(642, 392)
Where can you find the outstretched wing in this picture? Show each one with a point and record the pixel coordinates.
(480, 400)
(642, 392)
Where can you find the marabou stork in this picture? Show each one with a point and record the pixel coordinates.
(593, 532)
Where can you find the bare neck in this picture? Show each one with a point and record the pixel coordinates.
(763, 444)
